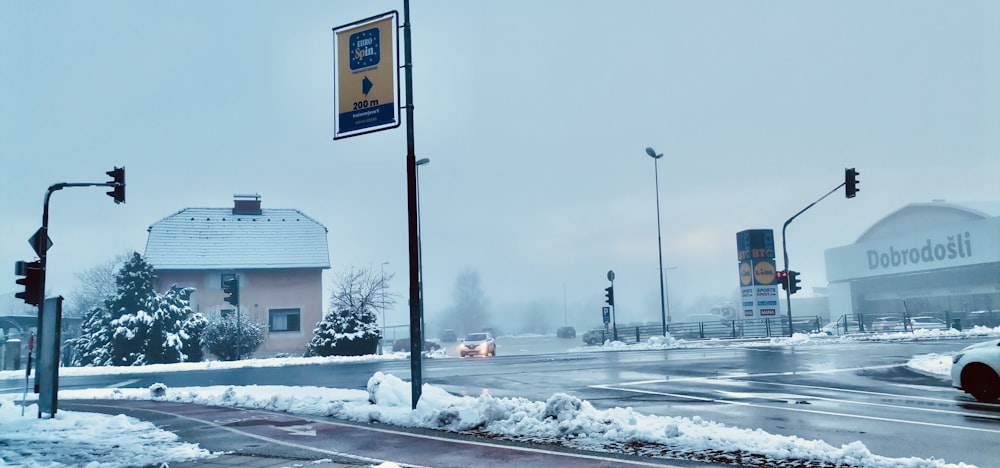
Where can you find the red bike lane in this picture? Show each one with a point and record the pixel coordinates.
(364, 444)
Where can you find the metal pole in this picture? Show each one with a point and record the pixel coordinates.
(614, 319)
(784, 251)
(659, 245)
(416, 332)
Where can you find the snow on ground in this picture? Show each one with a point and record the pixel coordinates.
(561, 419)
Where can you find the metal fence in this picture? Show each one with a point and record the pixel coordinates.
(715, 329)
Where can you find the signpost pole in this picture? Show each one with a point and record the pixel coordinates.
(416, 334)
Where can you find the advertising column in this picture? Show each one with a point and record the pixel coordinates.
(758, 279)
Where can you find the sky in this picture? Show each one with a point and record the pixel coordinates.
(27, 437)
(535, 116)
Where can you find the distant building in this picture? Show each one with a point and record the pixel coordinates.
(925, 258)
(278, 255)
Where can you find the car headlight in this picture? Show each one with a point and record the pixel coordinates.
(958, 357)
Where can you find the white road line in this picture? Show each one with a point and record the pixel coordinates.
(123, 383)
(738, 375)
(792, 409)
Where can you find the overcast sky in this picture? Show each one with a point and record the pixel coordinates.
(535, 116)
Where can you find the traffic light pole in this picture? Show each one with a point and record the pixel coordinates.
(41, 246)
(784, 251)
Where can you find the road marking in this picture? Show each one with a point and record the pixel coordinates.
(123, 383)
(623, 387)
(881, 394)
(796, 409)
(301, 429)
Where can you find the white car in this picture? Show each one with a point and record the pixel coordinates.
(478, 344)
(976, 371)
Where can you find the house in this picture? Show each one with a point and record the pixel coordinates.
(276, 255)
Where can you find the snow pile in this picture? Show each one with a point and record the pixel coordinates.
(933, 364)
(86, 439)
(561, 419)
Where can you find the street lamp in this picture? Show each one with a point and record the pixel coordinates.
(659, 238)
(420, 259)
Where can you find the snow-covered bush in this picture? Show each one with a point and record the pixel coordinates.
(351, 327)
(231, 339)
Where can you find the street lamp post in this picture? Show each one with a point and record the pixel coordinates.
(659, 238)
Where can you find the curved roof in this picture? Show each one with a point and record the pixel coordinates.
(921, 216)
(215, 238)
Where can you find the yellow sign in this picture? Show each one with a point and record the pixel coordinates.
(745, 275)
(763, 272)
(366, 75)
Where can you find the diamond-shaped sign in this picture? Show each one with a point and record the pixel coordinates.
(41, 242)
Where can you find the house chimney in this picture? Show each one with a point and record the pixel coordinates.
(246, 204)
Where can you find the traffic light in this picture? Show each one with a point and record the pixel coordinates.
(231, 288)
(610, 293)
(782, 277)
(118, 182)
(32, 281)
(793, 282)
(851, 182)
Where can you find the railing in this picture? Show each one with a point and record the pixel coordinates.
(715, 329)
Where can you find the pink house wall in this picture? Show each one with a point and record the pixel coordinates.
(260, 292)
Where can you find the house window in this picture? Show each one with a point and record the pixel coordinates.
(226, 277)
(283, 320)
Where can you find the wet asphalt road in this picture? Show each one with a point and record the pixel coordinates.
(839, 393)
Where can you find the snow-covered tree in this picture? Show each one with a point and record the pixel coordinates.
(351, 326)
(231, 341)
(139, 326)
(93, 346)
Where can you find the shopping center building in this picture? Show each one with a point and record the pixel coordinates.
(933, 258)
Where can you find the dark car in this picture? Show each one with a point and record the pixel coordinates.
(566, 332)
(403, 345)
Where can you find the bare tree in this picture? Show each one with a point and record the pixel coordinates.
(361, 290)
(350, 327)
(96, 285)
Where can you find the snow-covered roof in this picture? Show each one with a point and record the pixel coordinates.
(216, 238)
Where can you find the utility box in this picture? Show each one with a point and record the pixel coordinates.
(11, 355)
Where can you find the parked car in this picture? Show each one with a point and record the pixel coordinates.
(566, 332)
(976, 371)
(403, 345)
(889, 323)
(478, 344)
(449, 336)
(596, 336)
(927, 323)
